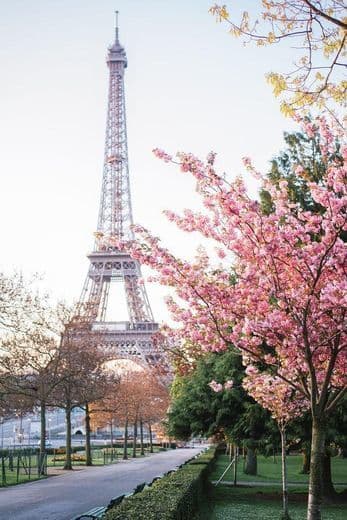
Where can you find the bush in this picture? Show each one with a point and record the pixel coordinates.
(174, 497)
(62, 450)
(74, 458)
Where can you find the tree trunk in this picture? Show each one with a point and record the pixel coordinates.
(150, 438)
(251, 460)
(305, 461)
(89, 461)
(68, 461)
(125, 451)
(285, 512)
(42, 437)
(236, 456)
(111, 433)
(141, 438)
(328, 490)
(315, 481)
(135, 439)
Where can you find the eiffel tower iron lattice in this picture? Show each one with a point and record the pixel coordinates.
(133, 338)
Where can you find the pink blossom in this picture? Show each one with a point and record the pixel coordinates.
(251, 370)
(299, 170)
(161, 154)
(216, 387)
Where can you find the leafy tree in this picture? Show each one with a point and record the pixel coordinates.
(197, 409)
(318, 30)
(303, 152)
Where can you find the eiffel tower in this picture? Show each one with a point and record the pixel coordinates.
(130, 339)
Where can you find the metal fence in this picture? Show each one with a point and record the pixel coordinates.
(22, 465)
(99, 456)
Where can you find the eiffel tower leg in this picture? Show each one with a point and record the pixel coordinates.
(104, 299)
(139, 309)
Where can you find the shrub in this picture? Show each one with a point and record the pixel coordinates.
(74, 458)
(174, 497)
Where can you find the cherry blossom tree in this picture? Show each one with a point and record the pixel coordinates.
(279, 291)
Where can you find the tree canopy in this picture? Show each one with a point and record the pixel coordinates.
(316, 29)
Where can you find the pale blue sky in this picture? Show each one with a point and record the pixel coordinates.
(189, 86)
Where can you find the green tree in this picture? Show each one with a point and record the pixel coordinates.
(299, 163)
(196, 409)
(300, 150)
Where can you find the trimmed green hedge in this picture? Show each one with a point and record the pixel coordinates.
(174, 497)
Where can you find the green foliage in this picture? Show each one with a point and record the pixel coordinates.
(174, 497)
(259, 503)
(269, 471)
(197, 410)
(300, 150)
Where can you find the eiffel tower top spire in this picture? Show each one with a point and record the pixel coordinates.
(117, 29)
(116, 52)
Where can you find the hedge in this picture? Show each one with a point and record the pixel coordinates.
(173, 497)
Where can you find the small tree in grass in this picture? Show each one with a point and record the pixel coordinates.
(275, 395)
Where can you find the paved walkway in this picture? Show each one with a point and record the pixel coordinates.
(65, 496)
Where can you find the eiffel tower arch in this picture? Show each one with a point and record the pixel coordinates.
(132, 338)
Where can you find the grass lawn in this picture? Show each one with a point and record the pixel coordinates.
(11, 479)
(257, 503)
(247, 502)
(22, 469)
(268, 471)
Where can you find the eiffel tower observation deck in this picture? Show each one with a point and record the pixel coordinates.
(131, 338)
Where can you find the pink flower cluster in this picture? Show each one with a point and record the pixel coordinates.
(275, 395)
(218, 387)
(162, 155)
